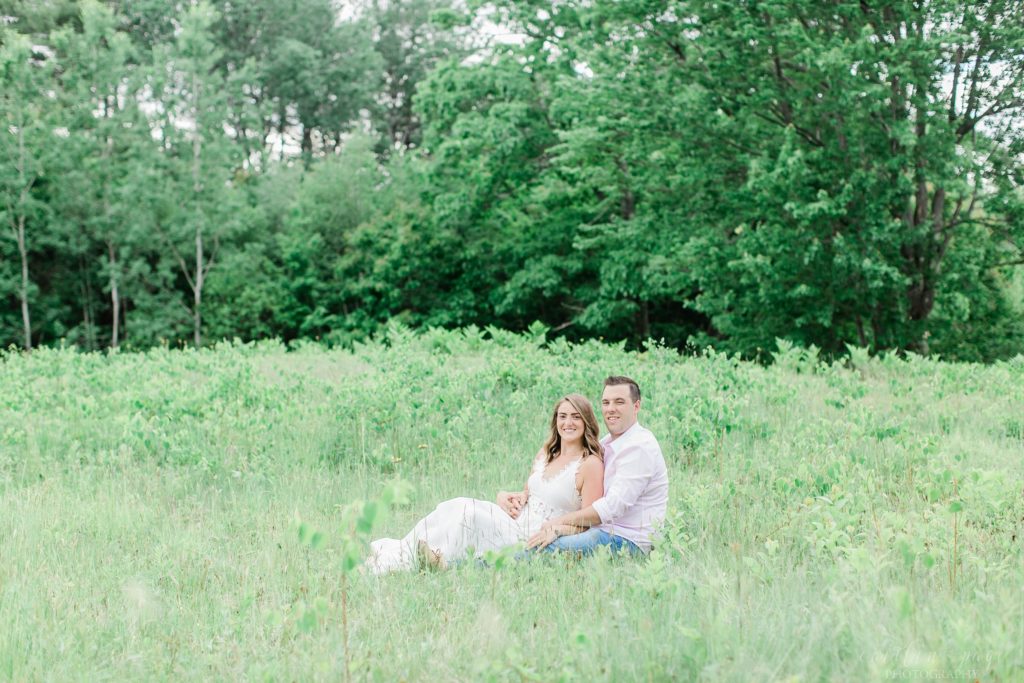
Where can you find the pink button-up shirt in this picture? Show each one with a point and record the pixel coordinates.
(635, 486)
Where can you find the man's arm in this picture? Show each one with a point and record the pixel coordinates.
(584, 519)
(631, 480)
(566, 525)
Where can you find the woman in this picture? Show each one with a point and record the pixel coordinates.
(567, 475)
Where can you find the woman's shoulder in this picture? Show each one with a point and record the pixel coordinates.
(591, 465)
(539, 460)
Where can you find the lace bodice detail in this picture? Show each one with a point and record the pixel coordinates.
(550, 497)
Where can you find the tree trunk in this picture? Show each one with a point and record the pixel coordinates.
(197, 290)
(627, 208)
(197, 187)
(88, 310)
(23, 290)
(928, 223)
(307, 143)
(644, 316)
(922, 258)
(921, 297)
(19, 233)
(876, 327)
(115, 296)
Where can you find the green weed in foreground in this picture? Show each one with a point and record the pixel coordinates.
(826, 522)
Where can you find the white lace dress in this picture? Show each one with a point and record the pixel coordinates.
(458, 525)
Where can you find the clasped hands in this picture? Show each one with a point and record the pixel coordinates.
(512, 502)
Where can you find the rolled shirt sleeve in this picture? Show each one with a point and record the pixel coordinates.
(630, 481)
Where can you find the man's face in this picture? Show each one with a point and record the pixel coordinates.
(618, 409)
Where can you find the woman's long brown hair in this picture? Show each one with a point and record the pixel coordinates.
(591, 439)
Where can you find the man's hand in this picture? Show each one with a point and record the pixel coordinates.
(511, 502)
(543, 538)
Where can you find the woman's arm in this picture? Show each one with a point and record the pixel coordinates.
(591, 480)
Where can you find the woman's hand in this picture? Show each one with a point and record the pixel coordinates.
(511, 502)
(545, 537)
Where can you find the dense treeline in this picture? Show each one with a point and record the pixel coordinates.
(700, 172)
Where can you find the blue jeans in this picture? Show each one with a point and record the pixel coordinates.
(587, 542)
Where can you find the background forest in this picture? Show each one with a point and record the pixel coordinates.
(704, 173)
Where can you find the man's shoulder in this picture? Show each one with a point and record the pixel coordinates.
(645, 435)
(642, 438)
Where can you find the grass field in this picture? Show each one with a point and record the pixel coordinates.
(845, 522)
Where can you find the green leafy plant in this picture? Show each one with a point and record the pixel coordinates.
(357, 522)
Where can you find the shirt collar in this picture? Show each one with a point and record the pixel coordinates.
(607, 442)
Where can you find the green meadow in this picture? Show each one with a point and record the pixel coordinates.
(179, 515)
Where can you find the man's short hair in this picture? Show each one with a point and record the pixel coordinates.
(619, 380)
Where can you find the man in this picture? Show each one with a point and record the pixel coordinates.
(635, 484)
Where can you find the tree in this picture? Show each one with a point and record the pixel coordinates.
(872, 137)
(24, 138)
(33, 18)
(309, 72)
(304, 72)
(200, 205)
(486, 140)
(287, 281)
(782, 169)
(106, 154)
(412, 39)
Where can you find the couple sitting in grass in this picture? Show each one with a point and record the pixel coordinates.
(582, 494)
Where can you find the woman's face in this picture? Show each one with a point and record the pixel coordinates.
(569, 423)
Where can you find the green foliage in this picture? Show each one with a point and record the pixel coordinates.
(690, 172)
(414, 36)
(869, 510)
